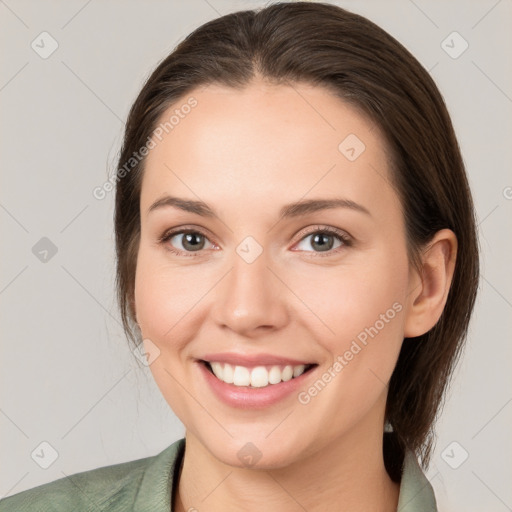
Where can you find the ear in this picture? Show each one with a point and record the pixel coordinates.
(428, 289)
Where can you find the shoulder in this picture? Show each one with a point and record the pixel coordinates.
(81, 491)
(109, 488)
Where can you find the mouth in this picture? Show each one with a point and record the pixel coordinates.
(256, 376)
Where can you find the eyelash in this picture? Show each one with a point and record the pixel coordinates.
(340, 235)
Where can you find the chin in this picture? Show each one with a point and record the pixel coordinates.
(255, 451)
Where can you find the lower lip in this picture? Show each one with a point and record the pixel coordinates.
(245, 397)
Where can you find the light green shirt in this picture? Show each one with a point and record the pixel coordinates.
(146, 485)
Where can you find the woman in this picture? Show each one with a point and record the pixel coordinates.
(296, 250)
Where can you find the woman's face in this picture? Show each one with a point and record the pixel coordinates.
(276, 289)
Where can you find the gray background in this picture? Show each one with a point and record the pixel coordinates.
(67, 375)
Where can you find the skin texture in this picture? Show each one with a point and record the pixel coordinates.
(248, 153)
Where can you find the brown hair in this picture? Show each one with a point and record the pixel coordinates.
(325, 45)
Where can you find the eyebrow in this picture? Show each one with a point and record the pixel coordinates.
(296, 209)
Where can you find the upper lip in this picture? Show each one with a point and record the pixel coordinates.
(253, 359)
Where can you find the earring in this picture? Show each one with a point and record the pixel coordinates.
(388, 427)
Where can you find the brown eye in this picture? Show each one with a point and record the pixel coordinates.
(183, 242)
(323, 241)
(191, 241)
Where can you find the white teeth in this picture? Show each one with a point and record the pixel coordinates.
(218, 370)
(298, 370)
(227, 374)
(257, 377)
(287, 373)
(274, 375)
(241, 376)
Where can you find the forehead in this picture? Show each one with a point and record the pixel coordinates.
(266, 142)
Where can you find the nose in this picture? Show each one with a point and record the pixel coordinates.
(251, 299)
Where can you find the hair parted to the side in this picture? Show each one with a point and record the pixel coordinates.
(325, 45)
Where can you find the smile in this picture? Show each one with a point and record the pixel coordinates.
(257, 376)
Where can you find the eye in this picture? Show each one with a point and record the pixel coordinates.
(190, 242)
(323, 240)
(184, 241)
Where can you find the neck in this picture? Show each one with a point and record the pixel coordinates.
(346, 474)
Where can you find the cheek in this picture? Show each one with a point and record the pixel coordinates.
(165, 295)
(359, 318)
(361, 331)
(350, 298)
(164, 298)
